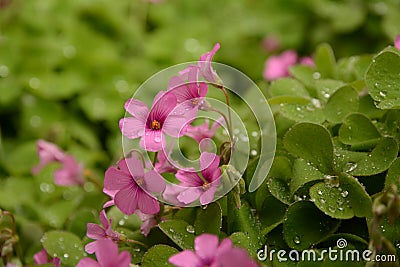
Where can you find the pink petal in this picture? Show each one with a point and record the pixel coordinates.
(209, 165)
(88, 262)
(103, 219)
(189, 195)
(205, 246)
(171, 193)
(203, 89)
(189, 177)
(135, 166)
(94, 231)
(186, 258)
(175, 125)
(137, 109)
(225, 245)
(154, 182)
(115, 179)
(132, 127)
(236, 257)
(41, 257)
(107, 253)
(147, 204)
(208, 195)
(124, 259)
(127, 199)
(162, 107)
(153, 141)
(397, 42)
(91, 247)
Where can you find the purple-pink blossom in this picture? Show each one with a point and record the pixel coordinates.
(397, 42)
(200, 187)
(70, 173)
(206, 70)
(204, 130)
(107, 256)
(164, 162)
(148, 221)
(129, 181)
(209, 252)
(42, 257)
(97, 232)
(152, 125)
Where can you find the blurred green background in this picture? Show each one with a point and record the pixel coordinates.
(67, 67)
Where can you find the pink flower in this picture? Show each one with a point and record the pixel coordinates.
(71, 172)
(196, 186)
(42, 258)
(107, 256)
(148, 221)
(152, 125)
(98, 232)
(209, 252)
(307, 61)
(48, 153)
(189, 94)
(203, 131)
(171, 193)
(129, 181)
(278, 66)
(206, 70)
(397, 42)
(271, 43)
(164, 163)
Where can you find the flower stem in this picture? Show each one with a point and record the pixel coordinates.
(155, 158)
(220, 86)
(137, 243)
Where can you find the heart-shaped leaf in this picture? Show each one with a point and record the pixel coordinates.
(180, 232)
(158, 255)
(303, 172)
(341, 103)
(209, 219)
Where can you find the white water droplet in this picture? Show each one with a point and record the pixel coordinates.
(66, 255)
(253, 152)
(344, 193)
(190, 229)
(3, 71)
(297, 240)
(319, 192)
(316, 75)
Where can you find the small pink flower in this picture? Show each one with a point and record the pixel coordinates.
(164, 163)
(307, 61)
(397, 42)
(203, 131)
(152, 125)
(271, 43)
(188, 91)
(206, 70)
(70, 173)
(148, 221)
(97, 232)
(209, 252)
(196, 186)
(43, 258)
(278, 66)
(127, 182)
(107, 256)
(171, 194)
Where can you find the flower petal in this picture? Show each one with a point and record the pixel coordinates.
(41, 257)
(124, 259)
(153, 141)
(132, 127)
(91, 247)
(189, 195)
(88, 262)
(107, 253)
(103, 219)
(186, 258)
(94, 231)
(115, 179)
(189, 177)
(135, 166)
(209, 165)
(208, 195)
(163, 104)
(154, 182)
(236, 257)
(137, 109)
(127, 199)
(147, 204)
(205, 246)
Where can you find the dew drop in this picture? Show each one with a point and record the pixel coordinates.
(350, 167)
(66, 255)
(344, 193)
(316, 75)
(322, 200)
(319, 192)
(331, 209)
(383, 93)
(190, 229)
(121, 222)
(326, 95)
(157, 139)
(3, 71)
(254, 134)
(253, 152)
(298, 108)
(331, 180)
(297, 240)
(34, 83)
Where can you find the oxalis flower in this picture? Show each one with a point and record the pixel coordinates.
(70, 173)
(204, 130)
(107, 256)
(397, 42)
(126, 182)
(209, 252)
(188, 91)
(43, 258)
(200, 187)
(206, 70)
(97, 232)
(152, 125)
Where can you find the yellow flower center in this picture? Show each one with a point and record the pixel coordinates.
(155, 125)
(139, 181)
(206, 185)
(195, 101)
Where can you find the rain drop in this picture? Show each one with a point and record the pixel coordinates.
(350, 167)
(253, 152)
(66, 255)
(121, 222)
(190, 229)
(3, 71)
(316, 75)
(157, 139)
(297, 240)
(320, 192)
(34, 83)
(344, 193)
(383, 93)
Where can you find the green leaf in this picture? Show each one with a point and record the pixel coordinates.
(393, 175)
(379, 160)
(180, 232)
(310, 112)
(327, 87)
(359, 132)
(271, 212)
(325, 61)
(287, 87)
(21, 159)
(303, 73)
(347, 200)
(303, 172)
(56, 214)
(64, 245)
(243, 240)
(383, 80)
(279, 189)
(341, 103)
(353, 68)
(313, 143)
(158, 255)
(301, 232)
(209, 220)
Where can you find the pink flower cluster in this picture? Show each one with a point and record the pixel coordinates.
(209, 252)
(70, 173)
(278, 66)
